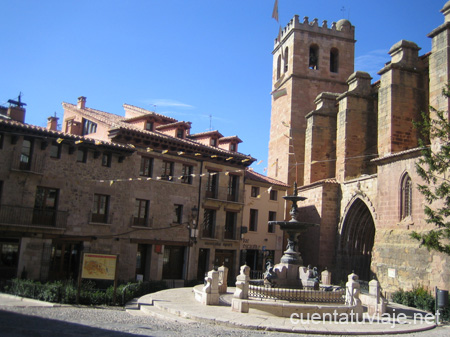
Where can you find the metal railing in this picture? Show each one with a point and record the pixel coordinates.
(29, 216)
(298, 295)
(34, 164)
(226, 194)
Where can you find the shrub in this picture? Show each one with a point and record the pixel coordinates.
(416, 298)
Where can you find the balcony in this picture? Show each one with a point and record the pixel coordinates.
(226, 194)
(29, 216)
(34, 164)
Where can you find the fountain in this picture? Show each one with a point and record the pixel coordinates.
(287, 271)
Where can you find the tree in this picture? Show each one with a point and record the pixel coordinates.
(434, 168)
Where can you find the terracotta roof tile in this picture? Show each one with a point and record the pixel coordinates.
(252, 175)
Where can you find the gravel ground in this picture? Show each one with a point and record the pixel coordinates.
(69, 321)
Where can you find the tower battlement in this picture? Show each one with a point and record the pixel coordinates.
(341, 29)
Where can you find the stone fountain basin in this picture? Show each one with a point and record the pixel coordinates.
(293, 225)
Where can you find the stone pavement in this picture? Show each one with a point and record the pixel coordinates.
(16, 301)
(179, 304)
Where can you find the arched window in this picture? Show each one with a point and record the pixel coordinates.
(286, 58)
(278, 67)
(334, 60)
(314, 57)
(406, 197)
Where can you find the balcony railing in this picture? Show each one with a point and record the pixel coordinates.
(227, 194)
(29, 216)
(34, 164)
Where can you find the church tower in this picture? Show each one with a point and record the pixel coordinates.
(308, 59)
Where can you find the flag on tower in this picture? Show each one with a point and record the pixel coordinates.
(275, 10)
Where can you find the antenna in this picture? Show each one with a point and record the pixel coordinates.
(17, 103)
(210, 122)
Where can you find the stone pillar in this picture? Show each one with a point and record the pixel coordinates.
(242, 283)
(210, 294)
(223, 276)
(352, 295)
(377, 305)
(326, 278)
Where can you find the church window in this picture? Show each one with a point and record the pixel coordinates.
(406, 197)
(314, 57)
(334, 60)
(286, 57)
(278, 67)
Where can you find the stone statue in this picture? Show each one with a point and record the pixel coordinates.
(269, 275)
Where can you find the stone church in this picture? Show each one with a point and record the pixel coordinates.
(351, 146)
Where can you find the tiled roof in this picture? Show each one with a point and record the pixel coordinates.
(252, 175)
(41, 131)
(207, 133)
(146, 112)
(116, 123)
(229, 139)
(173, 125)
(413, 151)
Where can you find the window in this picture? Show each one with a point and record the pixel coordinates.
(167, 170)
(100, 208)
(213, 142)
(278, 67)
(272, 217)
(212, 184)
(230, 226)
(146, 169)
(45, 205)
(88, 127)
(26, 154)
(314, 57)
(334, 60)
(140, 217)
(254, 192)
(406, 197)
(82, 155)
(286, 57)
(149, 126)
(180, 133)
(178, 214)
(173, 261)
(186, 177)
(55, 150)
(233, 147)
(273, 194)
(106, 159)
(233, 187)
(209, 221)
(253, 226)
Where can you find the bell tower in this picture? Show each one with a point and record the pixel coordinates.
(308, 59)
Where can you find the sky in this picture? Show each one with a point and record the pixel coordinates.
(204, 61)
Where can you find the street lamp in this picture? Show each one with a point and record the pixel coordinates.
(193, 230)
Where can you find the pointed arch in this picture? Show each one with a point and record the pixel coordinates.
(356, 240)
(278, 67)
(314, 56)
(286, 59)
(334, 60)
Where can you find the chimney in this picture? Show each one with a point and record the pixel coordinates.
(81, 102)
(52, 123)
(16, 113)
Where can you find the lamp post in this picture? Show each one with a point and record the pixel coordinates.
(193, 234)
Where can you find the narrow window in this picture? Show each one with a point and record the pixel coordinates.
(233, 187)
(253, 226)
(180, 133)
(406, 197)
(55, 150)
(106, 159)
(213, 142)
(149, 126)
(26, 154)
(255, 192)
(100, 208)
(233, 147)
(45, 205)
(167, 171)
(286, 58)
(146, 169)
(212, 184)
(314, 57)
(209, 221)
(278, 67)
(334, 60)
(141, 212)
(186, 177)
(82, 155)
(272, 217)
(273, 194)
(178, 214)
(230, 226)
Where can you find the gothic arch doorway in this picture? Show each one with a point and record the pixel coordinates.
(356, 241)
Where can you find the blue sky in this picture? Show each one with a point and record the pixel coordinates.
(204, 61)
